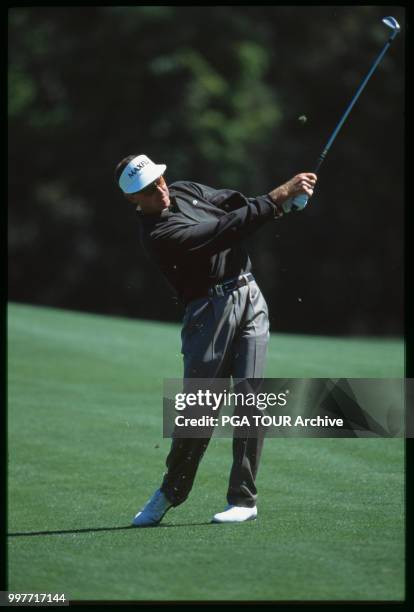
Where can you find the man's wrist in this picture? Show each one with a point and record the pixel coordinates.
(277, 207)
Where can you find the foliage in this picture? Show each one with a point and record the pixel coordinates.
(214, 92)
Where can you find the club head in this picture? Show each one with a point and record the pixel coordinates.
(392, 23)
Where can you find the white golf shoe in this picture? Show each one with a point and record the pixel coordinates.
(153, 511)
(235, 514)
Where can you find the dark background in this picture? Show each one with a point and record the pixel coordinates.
(215, 93)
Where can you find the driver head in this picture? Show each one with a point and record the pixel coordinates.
(392, 23)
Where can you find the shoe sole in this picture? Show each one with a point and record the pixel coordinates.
(152, 524)
(253, 518)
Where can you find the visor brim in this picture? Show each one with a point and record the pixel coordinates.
(141, 182)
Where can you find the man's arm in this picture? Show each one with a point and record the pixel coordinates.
(228, 199)
(225, 199)
(209, 237)
(180, 237)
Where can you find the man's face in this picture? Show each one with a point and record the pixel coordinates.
(153, 199)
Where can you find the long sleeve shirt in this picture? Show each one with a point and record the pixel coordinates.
(197, 241)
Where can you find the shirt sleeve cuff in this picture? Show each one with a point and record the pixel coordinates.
(277, 208)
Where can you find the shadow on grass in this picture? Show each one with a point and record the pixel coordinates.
(96, 529)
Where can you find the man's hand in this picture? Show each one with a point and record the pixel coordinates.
(303, 183)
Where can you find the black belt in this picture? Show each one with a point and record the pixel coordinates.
(231, 285)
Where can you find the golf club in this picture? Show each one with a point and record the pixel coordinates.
(300, 201)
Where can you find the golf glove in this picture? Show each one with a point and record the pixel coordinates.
(296, 203)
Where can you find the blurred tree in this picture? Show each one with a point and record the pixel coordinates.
(216, 93)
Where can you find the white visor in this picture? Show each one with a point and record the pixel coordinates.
(139, 173)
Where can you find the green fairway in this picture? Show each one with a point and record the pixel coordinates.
(86, 451)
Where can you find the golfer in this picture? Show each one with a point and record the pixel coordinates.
(194, 233)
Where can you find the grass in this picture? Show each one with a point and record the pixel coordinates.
(85, 452)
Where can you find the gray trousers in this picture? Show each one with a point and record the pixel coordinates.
(222, 336)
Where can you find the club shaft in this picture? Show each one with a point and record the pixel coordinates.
(351, 105)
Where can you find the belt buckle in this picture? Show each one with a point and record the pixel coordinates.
(219, 290)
